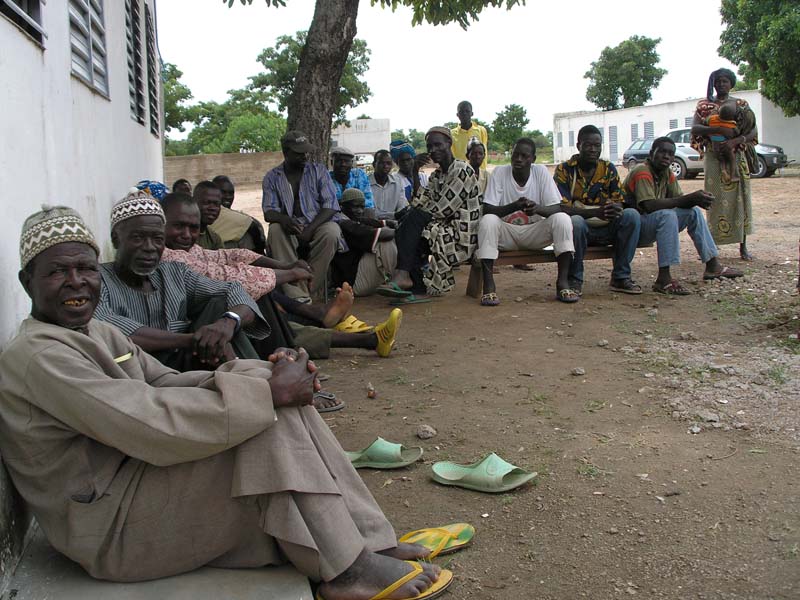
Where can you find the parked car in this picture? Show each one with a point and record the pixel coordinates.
(770, 158)
(687, 162)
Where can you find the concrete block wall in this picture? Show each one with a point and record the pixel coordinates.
(243, 169)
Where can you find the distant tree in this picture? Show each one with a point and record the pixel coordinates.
(176, 94)
(398, 134)
(508, 125)
(541, 140)
(244, 122)
(762, 36)
(626, 71)
(417, 139)
(282, 63)
(316, 93)
(176, 147)
(364, 116)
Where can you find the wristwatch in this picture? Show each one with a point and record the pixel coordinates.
(232, 315)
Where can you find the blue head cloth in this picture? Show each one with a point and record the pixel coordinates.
(155, 188)
(397, 147)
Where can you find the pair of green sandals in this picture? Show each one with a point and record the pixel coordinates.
(491, 474)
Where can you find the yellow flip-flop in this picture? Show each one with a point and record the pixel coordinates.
(441, 540)
(352, 324)
(438, 588)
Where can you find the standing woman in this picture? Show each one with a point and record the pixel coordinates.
(476, 153)
(730, 218)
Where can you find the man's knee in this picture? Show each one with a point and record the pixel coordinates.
(329, 231)
(665, 218)
(629, 216)
(561, 221)
(579, 226)
(489, 223)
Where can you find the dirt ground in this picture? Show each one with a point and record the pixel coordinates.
(628, 501)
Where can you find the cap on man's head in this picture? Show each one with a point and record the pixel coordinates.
(341, 151)
(441, 131)
(296, 141)
(50, 226)
(136, 204)
(351, 195)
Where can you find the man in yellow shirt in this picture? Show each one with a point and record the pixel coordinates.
(467, 130)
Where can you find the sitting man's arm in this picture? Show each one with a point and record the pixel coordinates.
(610, 206)
(493, 196)
(647, 200)
(326, 199)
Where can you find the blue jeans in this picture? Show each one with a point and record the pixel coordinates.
(663, 227)
(622, 233)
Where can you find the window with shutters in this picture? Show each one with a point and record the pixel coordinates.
(634, 131)
(133, 35)
(649, 130)
(612, 142)
(25, 14)
(688, 121)
(571, 138)
(87, 36)
(153, 70)
(559, 140)
(673, 123)
(602, 133)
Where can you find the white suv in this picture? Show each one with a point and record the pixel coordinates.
(687, 161)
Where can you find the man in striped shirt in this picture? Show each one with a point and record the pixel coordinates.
(167, 309)
(299, 201)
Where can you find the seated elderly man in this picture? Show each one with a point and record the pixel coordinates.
(442, 222)
(299, 201)
(590, 193)
(166, 308)
(522, 211)
(345, 176)
(666, 211)
(137, 472)
(236, 229)
(259, 275)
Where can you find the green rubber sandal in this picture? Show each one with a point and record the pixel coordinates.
(384, 455)
(491, 474)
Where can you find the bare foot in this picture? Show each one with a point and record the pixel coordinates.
(371, 573)
(339, 307)
(744, 253)
(403, 279)
(323, 403)
(407, 552)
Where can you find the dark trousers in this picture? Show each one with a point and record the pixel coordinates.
(412, 248)
(182, 359)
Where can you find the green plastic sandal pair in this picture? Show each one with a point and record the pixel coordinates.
(491, 474)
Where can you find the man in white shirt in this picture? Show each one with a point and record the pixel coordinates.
(521, 211)
(388, 192)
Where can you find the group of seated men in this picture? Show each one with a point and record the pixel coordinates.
(396, 231)
(145, 450)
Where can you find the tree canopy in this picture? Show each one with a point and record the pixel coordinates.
(176, 94)
(281, 63)
(316, 93)
(761, 36)
(509, 125)
(627, 71)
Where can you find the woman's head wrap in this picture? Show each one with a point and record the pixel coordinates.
(50, 226)
(723, 72)
(397, 147)
(155, 188)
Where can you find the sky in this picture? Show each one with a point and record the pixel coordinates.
(534, 55)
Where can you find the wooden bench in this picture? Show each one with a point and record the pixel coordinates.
(524, 257)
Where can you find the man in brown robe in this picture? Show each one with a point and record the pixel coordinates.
(136, 471)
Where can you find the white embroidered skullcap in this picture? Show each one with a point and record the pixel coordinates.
(136, 204)
(50, 226)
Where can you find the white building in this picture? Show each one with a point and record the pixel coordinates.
(80, 124)
(363, 136)
(621, 127)
(81, 119)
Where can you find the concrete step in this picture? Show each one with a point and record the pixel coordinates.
(44, 574)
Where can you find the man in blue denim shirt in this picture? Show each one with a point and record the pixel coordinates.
(345, 176)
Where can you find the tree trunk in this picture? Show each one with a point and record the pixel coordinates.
(322, 61)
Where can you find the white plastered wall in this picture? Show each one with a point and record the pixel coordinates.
(62, 143)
